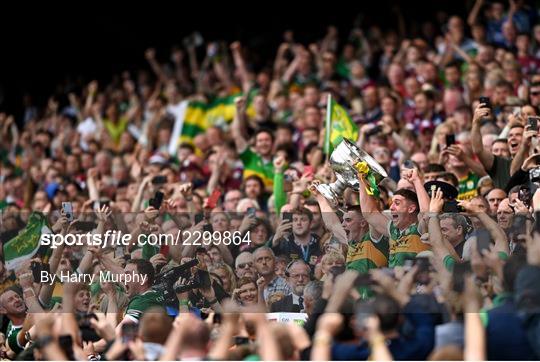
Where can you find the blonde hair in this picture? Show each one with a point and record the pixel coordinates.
(332, 256)
(230, 272)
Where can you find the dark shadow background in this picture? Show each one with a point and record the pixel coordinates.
(43, 46)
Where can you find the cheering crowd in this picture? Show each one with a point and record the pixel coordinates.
(440, 261)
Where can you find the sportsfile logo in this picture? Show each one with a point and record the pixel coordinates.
(118, 238)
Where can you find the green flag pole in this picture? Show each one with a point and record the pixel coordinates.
(328, 122)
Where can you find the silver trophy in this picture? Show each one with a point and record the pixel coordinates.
(343, 161)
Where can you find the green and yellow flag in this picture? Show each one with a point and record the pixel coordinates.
(27, 243)
(338, 126)
(193, 118)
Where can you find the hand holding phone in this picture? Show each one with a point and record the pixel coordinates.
(485, 101)
(450, 140)
(159, 180)
(199, 217)
(67, 210)
(157, 200)
(287, 216)
(251, 212)
(408, 164)
(533, 123)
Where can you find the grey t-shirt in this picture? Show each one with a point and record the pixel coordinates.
(451, 333)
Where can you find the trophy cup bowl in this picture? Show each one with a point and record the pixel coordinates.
(343, 161)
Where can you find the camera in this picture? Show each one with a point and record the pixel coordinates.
(534, 175)
(167, 280)
(525, 195)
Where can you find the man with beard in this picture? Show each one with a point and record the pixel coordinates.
(497, 167)
(12, 305)
(298, 276)
(302, 243)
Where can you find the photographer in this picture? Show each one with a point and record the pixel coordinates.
(142, 296)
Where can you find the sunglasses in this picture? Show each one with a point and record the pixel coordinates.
(245, 265)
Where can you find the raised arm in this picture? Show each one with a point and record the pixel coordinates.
(475, 333)
(136, 206)
(216, 169)
(69, 323)
(473, 15)
(291, 69)
(240, 65)
(496, 232)
(227, 331)
(93, 191)
(370, 209)
(106, 261)
(412, 176)
(486, 158)
(330, 219)
(150, 55)
(441, 248)
(222, 73)
(460, 154)
(238, 125)
(29, 293)
(193, 63)
(90, 96)
(524, 149)
(177, 57)
(280, 63)
(46, 290)
(280, 197)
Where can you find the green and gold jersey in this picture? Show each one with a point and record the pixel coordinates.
(467, 187)
(11, 336)
(142, 302)
(255, 165)
(367, 254)
(404, 244)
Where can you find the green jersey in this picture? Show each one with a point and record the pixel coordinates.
(367, 254)
(255, 165)
(404, 244)
(11, 336)
(142, 302)
(467, 187)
